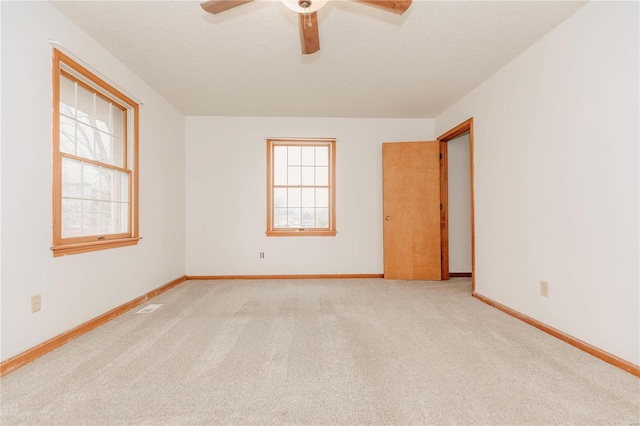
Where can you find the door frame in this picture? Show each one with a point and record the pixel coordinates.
(465, 126)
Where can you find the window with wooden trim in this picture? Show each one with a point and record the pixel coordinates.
(301, 187)
(95, 162)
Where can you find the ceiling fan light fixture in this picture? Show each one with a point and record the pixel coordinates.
(304, 6)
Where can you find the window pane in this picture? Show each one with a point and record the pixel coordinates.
(308, 197)
(103, 115)
(67, 96)
(106, 223)
(90, 218)
(117, 122)
(71, 178)
(293, 219)
(294, 175)
(280, 165)
(91, 185)
(120, 190)
(308, 218)
(280, 197)
(99, 183)
(71, 218)
(322, 155)
(308, 156)
(111, 184)
(308, 175)
(107, 183)
(86, 141)
(67, 135)
(87, 217)
(121, 224)
(113, 217)
(322, 218)
(98, 146)
(280, 218)
(322, 197)
(322, 176)
(108, 149)
(294, 156)
(117, 153)
(85, 102)
(102, 147)
(294, 197)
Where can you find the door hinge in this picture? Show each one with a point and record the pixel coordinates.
(441, 156)
(441, 206)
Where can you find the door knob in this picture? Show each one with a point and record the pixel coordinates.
(387, 218)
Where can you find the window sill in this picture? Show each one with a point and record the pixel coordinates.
(303, 233)
(62, 250)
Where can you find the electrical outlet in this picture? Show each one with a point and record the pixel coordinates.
(544, 288)
(261, 255)
(35, 303)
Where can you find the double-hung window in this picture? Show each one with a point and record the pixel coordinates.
(95, 159)
(301, 187)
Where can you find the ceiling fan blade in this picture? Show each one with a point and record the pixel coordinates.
(309, 38)
(217, 6)
(396, 6)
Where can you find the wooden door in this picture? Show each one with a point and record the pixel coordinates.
(411, 196)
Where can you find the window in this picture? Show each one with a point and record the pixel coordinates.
(95, 162)
(301, 189)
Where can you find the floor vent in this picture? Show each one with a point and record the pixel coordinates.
(149, 308)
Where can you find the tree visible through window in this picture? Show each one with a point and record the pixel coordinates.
(95, 153)
(301, 188)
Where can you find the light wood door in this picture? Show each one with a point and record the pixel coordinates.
(411, 196)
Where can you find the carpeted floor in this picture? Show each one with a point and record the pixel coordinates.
(363, 351)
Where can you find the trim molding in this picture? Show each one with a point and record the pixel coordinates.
(444, 210)
(82, 76)
(43, 348)
(330, 230)
(460, 274)
(281, 277)
(64, 249)
(598, 353)
(465, 126)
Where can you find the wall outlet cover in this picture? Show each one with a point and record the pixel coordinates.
(544, 288)
(36, 303)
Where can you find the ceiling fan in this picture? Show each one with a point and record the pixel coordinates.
(307, 18)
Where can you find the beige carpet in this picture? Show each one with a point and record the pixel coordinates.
(364, 351)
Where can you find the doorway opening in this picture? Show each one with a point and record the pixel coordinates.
(460, 130)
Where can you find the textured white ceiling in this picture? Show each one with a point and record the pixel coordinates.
(247, 61)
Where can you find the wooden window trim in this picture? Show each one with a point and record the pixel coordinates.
(302, 232)
(75, 248)
(63, 246)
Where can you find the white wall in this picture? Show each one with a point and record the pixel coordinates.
(459, 173)
(556, 178)
(226, 195)
(0, 185)
(79, 287)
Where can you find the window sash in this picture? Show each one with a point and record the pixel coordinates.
(89, 125)
(119, 197)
